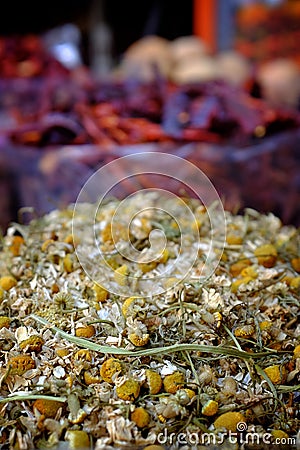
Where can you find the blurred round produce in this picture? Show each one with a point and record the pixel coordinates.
(280, 82)
(234, 67)
(145, 56)
(195, 70)
(187, 47)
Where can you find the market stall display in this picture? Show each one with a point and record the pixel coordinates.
(59, 121)
(160, 302)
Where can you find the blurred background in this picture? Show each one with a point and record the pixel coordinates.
(85, 81)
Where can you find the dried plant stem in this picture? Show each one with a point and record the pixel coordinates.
(218, 350)
(238, 346)
(29, 396)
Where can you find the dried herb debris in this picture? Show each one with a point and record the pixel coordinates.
(83, 366)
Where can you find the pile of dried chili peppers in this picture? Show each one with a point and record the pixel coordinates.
(44, 106)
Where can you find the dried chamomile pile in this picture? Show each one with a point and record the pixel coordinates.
(103, 350)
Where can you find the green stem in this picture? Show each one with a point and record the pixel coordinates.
(238, 347)
(14, 398)
(105, 349)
